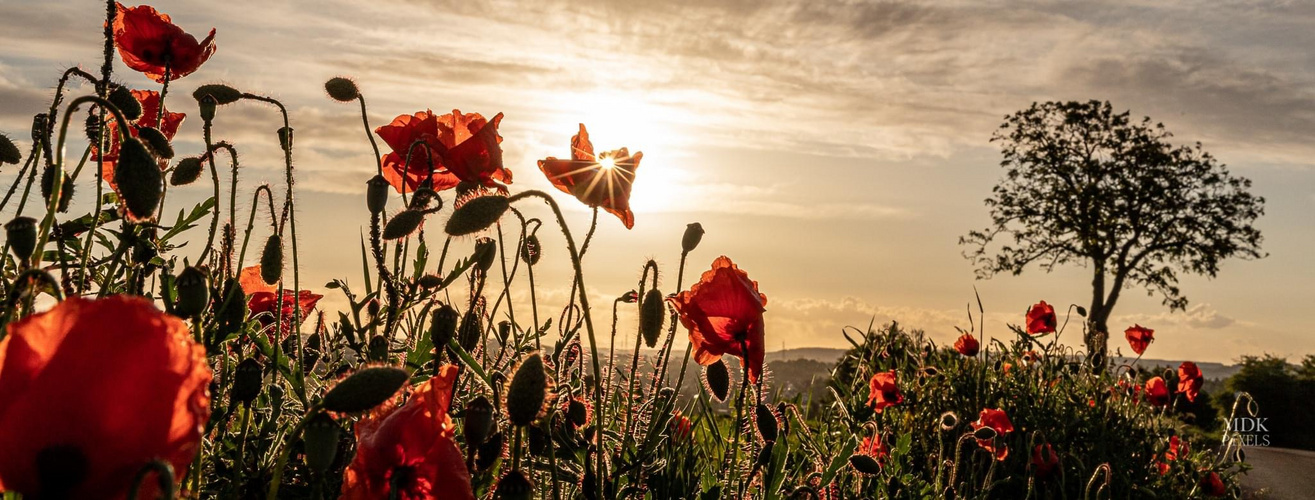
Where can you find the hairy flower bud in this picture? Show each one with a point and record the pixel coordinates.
(443, 326)
(532, 250)
(222, 94)
(207, 105)
(527, 391)
(376, 194)
(271, 260)
(403, 224)
(65, 187)
(187, 171)
(478, 422)
(9, 152)
(365, 389)
(193, 294)
(342, 89)
(485, 252)
(21, 233)
(693, 235)
(139, 179)
(477, 214)
(156, 141)
(767, 424)
(321, 440)
(247, 380)
(652, 313)
(718, 379)
(126, 103)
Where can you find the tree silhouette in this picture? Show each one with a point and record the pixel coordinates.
(1088, 186)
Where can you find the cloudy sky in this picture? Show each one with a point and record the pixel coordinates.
(835, 150)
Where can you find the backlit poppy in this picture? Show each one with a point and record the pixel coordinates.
(998, 421)
(680, 426)
(724, 315)
(967, 345)
(151, 43)
(601, 180)
(1189, 380)
(150, 118)
(464, 147)
(92, 391)
(263, 305)
(1212, 485)
(1041, 319)
(1157, 392)
(1177, 447)
(875, 448)
(1044, 460)
(883, 392)
(409, 451)
(1139, 337)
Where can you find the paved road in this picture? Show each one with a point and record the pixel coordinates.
(1280, 474)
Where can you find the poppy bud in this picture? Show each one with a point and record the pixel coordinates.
(527, 391)
(271, 260)
(186, 172)
(21, 233)
(372, 307)
(693, 235)
(139, 179)
(767, 424)
(193, 294)
(651, 316)
(429, 281)
(504, 331)
(156, 141)
(247, 381)
(478, 421)
(984, 433)
(235, 313)
(378, 348)
(477, 214)
(403, 224)
(365, 389)
(285, 138)
(9, 153)
(207, 108)
(376, 194)
(577, 412)
(865, 464)
(489, 452)
(514, 486)
(785, 418)
(532, 250)
(630, 297)
(764, 455)
(342, 89)
(485, 252)
(65, 187)
(222, 94)
(321, 441)
(471, 326)
(1082, 311)
(127, 104)
(443, 326)
(718, 380)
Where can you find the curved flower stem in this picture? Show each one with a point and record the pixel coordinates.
(734, 452)
(584, 306)
(85, 280)
(680, 278)
(365, 120)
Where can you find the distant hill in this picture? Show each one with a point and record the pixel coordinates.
(1211, 371)
(819, 354)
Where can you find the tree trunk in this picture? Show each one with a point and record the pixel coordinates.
(1097, 336)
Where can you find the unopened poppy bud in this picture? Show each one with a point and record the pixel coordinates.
(532, 250)
(65, 187)
(372, 307)
(378, 348)
(577, 412)
(630, 297)
(443, 326)
(514, 486)
(693, 235)
(504, 331)
(767, 423)
(478, 421)
(471, 326)
(376, 194)
(865, 464)
(1082, 311)
(984, 434)
(222, 94)
(651, 316)
(342, 89)
(477, 214)
(139, 179)
(403, 224)
(485, 252)
(365, 389)
(156, 141)
(489, 452)
(429, 281)
(9, 152)
(718, 379)
(764, 455)
(247, 380)
(271, 260)
(193, 294)
(321, 439)
(187, 171)
(127, 104)
(21, 233)
(527, 391)
(207, 106)
(232, 309)
(285, 138)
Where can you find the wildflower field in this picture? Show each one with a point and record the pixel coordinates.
(153, 355)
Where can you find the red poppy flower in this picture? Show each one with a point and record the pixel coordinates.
(1031, 356)
(680, 426)
(724, 315)
(262, 304)
(150, 118)
(150, 42)
(601, 180)
(1189, 380)
(1139, 337)
(998, 421)
(97, 389)
(409, 450)
(883, 391)
(875, 448)
(1211, 485)
(967, 345)
(1044, 460)
(1157, 392)
(464, 146)
(1041, 319)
